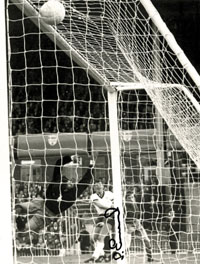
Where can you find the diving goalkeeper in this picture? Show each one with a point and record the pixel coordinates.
(60, 195)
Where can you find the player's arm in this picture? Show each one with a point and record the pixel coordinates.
(87, 177)
(57, 184)
(57, 170)
(69, 193)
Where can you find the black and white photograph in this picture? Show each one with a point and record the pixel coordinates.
(100, 131)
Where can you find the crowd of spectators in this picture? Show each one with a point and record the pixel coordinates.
(77, 108)
(71, 111)
(26, 191)
(50, 93)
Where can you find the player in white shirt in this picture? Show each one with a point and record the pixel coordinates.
(102, 200)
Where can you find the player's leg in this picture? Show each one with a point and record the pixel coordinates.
(137, 226)
(98, 242)
(97, 245)
(105, 236)
(107, 249)
(128, 236)
(33, 223)
(26, 221)
(105, 232)
(146, 240)
(100, 232)
(173, 239)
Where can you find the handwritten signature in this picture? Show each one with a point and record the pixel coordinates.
(112, 243)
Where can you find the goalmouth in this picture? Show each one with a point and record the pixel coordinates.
(107, 78)
(123, 51)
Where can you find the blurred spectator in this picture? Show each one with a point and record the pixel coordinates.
(23, 245)
(41, 246)
(48, 86)
(79, 109)
(84, 240)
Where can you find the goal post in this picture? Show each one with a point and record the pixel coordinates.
(117, 176)
(162, 27)
(6, 246)
(122, 39)
(103, 82)
(28, 8)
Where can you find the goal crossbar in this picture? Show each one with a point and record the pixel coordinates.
(115, 60)
(148, 80)
(30, 11)
(162, 27)
(139, 86)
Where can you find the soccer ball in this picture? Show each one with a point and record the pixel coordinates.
(52, 12)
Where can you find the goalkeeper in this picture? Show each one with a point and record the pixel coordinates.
(60, 195)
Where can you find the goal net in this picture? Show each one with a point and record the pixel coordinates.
(59, 81)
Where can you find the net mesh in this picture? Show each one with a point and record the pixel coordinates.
(58, 107)
(160, 184)
(120, 43)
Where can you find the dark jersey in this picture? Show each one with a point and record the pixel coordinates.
(56, 200)
(58, 197)
(132, 210)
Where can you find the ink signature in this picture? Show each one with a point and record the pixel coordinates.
(112, 243)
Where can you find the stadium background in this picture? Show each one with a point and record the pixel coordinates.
(38, 109)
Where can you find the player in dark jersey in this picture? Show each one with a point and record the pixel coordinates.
(60, 195)
(134, 225)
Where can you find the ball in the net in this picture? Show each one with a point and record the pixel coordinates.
(52, 12)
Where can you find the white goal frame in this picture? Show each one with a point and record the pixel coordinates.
(6, 254)
(110, 87)
(51, 32)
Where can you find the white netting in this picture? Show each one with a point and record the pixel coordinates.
(157, 192)
(181, 112)
(58, 106)
(120, 43)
